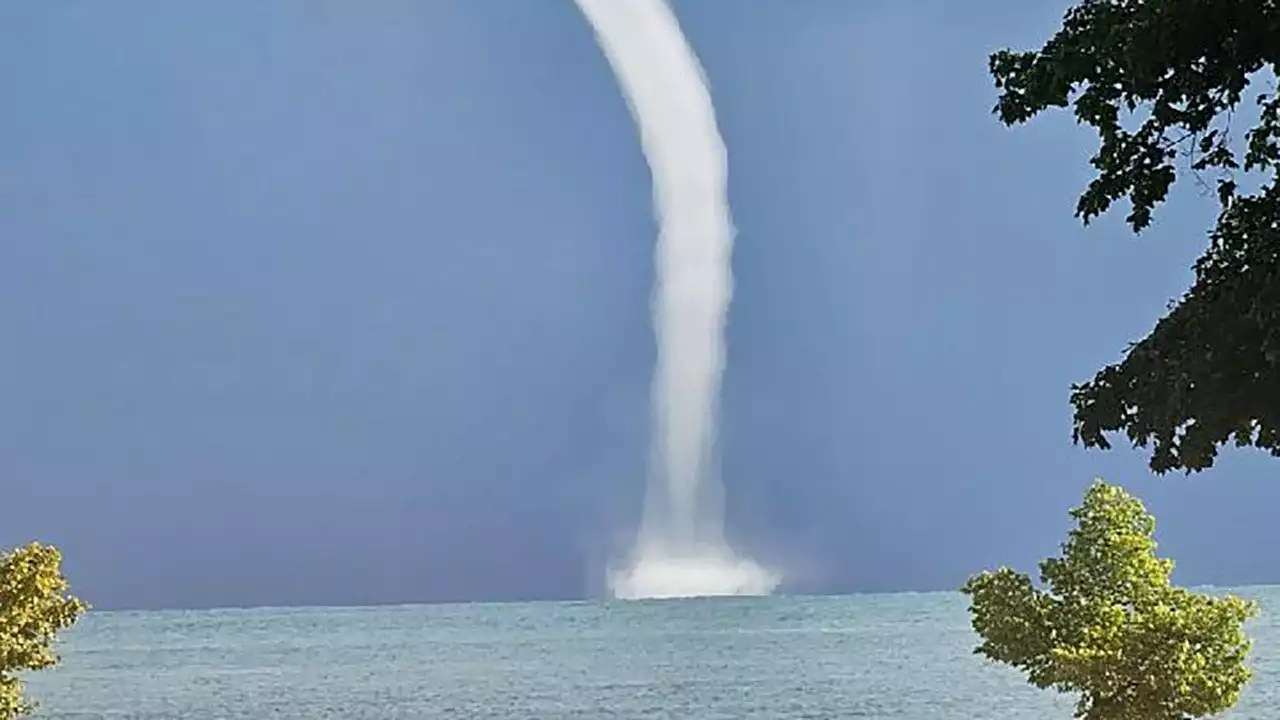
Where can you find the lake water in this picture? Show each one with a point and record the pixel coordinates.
(870, 656)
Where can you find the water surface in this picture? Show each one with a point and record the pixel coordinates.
(870, 656)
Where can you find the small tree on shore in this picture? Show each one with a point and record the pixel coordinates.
(34, 606)
(1111, 626)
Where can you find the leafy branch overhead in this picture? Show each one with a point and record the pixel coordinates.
(1162, 81)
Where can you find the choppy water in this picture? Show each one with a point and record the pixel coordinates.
(885, 656)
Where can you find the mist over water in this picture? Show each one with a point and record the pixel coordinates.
(681, 548)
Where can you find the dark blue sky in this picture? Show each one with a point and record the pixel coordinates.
(334, 302)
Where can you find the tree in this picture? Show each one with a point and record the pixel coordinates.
(1111, 626)
(1162, 81)
(34, 606)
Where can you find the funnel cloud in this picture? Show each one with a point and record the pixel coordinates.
(681, 549)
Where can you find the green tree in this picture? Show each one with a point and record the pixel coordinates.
(34, 606)
(1161, 81)
(1111, 626)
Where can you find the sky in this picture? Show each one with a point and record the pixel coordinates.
(319, 302)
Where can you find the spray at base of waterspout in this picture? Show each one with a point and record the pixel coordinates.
(704, 572)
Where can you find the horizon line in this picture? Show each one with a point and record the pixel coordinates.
(578, 600)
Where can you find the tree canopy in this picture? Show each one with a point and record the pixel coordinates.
(34, 606)
(1169, 86)
(1111, 626)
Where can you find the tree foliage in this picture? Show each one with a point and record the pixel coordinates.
(34, 606)
(1161, 81)
(1111, 626)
